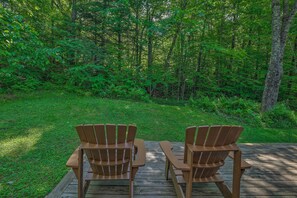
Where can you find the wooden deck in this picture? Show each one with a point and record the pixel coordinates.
(274, 174)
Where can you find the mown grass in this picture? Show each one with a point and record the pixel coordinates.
(37, 133)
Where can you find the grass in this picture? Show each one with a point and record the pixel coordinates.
(37, 133)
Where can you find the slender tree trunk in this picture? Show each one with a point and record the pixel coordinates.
(218, 68)
(293, 68)
(141, 46)
(168, 57)
(120, 45)
(280, 27)
(137, 61)
(73, 30)
(199, 59)
(149, 17)
(102, 60)
(234, 28)
(52, 24)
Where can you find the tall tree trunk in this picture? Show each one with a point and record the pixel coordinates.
(168, 57)
(120, 48)
(199, 59)
(102, 60)
(234, 28)
(52, 24)
(280, 29)
(293, 68)
(73, 30)
(218, 68)
(149, 15)
(136, 40)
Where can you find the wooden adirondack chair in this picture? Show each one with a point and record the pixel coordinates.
(112, 151)
(206, 149)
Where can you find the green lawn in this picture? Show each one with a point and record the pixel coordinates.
(37, 133)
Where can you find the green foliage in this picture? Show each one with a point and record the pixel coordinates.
(89, 77)
(128, 92)
(172, 49)
(280, 117)
(24, 58)
(204, 103)
(247, 111)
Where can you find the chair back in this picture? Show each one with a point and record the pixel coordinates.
(113, 145)
(206, 164)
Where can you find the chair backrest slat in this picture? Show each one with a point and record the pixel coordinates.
(111, 134)
(233, 135)
(101, 140)
(122, 134)
(201, 136)
(122, 130)
(81, 134)
(190, 136)
(202, 133)
(213, 133)
(131, 133)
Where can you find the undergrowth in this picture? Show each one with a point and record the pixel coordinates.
(248, 111)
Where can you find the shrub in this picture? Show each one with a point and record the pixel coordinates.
(280, 117)
(237, 108)
(205, 104)
(127, 92)
(246, 110)
(88, 77)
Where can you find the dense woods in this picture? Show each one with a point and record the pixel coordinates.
(177, 49)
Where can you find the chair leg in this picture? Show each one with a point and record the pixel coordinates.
(80, 174)
(86, 186)
(236, 174)
(224, 189)
(131, 188)
(176, 185)
(131, 184)
(167, 168)
(189, 190)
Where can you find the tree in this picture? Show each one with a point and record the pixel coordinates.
(281, 23)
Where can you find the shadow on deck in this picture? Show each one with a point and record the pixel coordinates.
(273, 174)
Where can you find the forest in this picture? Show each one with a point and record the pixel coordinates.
(139, 49)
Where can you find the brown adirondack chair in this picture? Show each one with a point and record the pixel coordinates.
(112, 151)
(206, 149)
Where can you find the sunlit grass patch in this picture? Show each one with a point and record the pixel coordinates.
(17, 146)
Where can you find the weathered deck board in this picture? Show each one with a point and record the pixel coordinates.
(274, 174)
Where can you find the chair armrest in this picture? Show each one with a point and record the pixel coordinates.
(167, 149)
(73, 159)
(244, 164)
(195, 148)
(140, 157)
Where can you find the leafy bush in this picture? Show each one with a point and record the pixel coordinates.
(24, 58)
(92, 79)
(127, 92)
(205, 104)
(247, 111)
(88, 77)
(280, 117)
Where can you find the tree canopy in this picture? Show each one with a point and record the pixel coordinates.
(132, 48)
